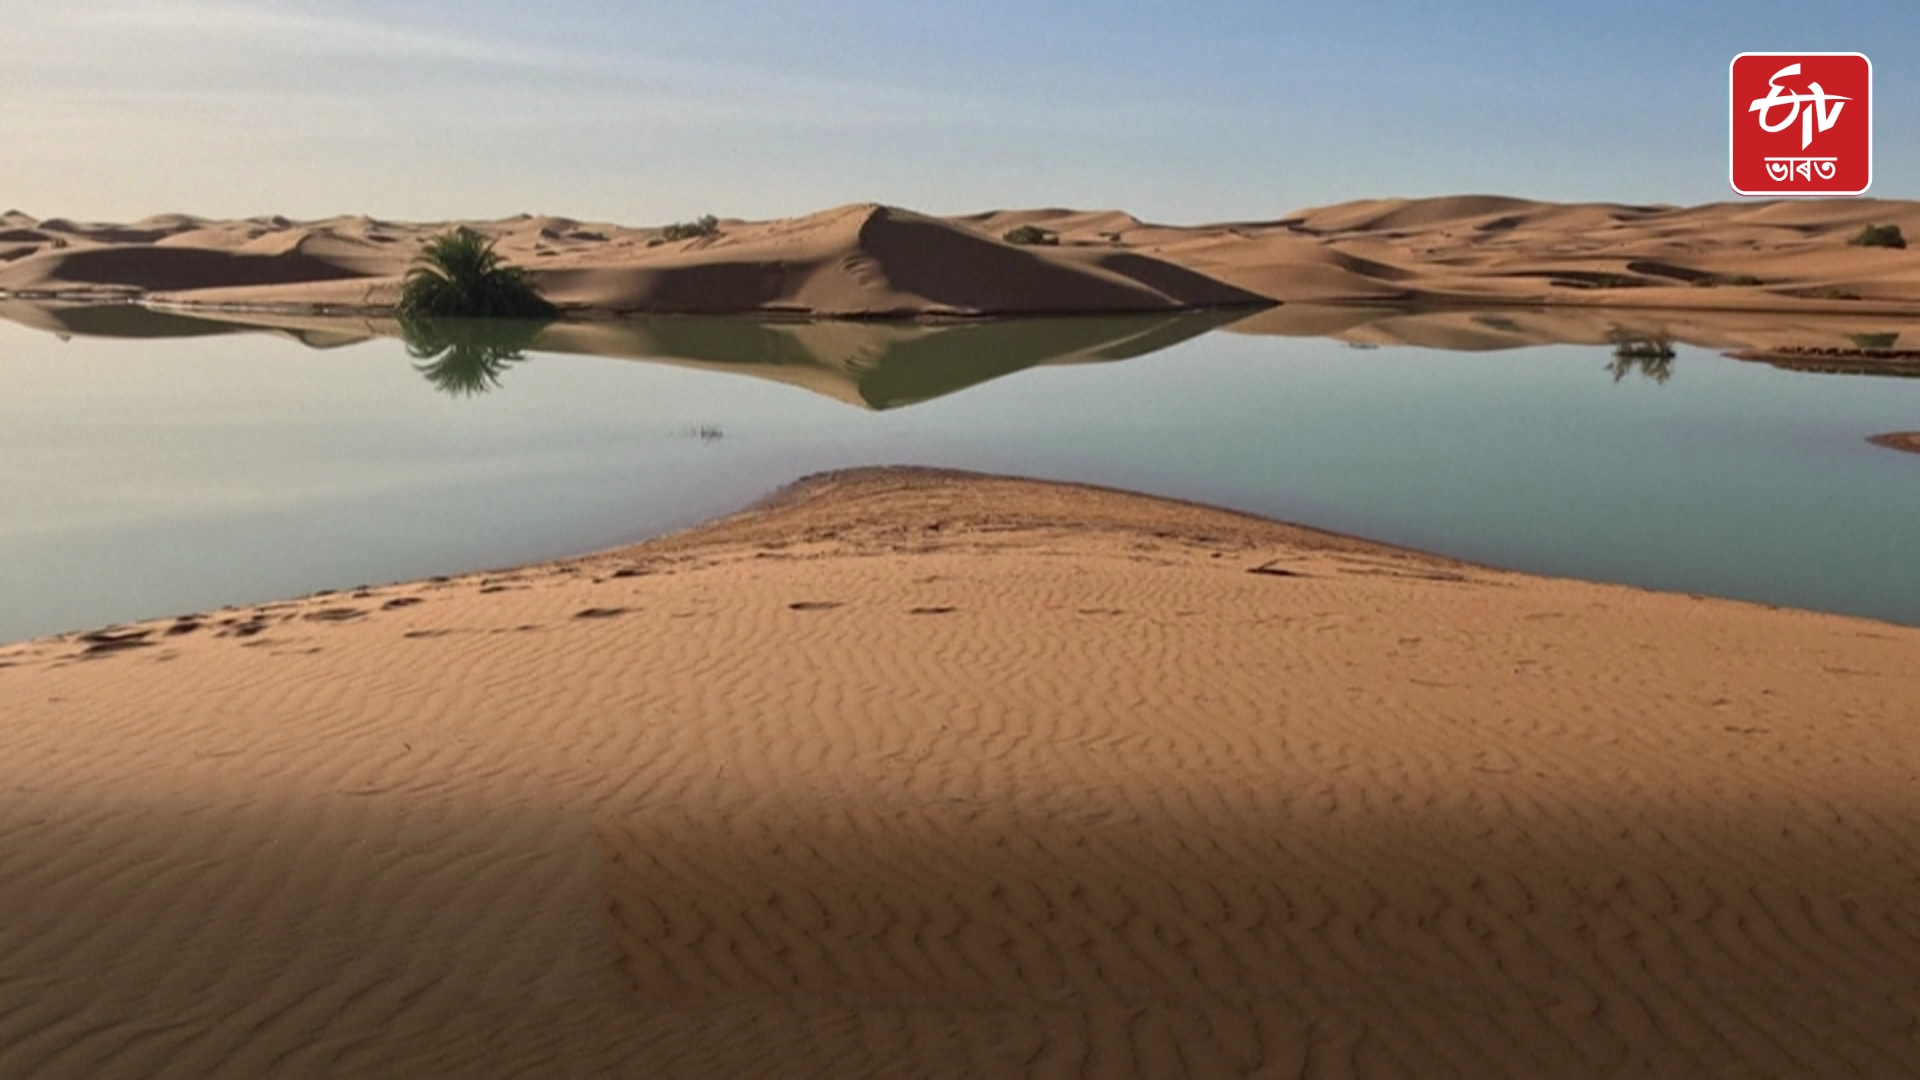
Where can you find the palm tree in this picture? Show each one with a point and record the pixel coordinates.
(459, 275)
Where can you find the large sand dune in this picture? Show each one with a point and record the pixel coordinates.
(918, 774)
(869, 261)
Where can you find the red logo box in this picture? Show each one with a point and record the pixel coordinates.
(1802, 124)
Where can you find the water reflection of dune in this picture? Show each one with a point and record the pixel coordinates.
(138, 322)
(888, 364)
(878, 365)
(110, 320)
(1484, 329)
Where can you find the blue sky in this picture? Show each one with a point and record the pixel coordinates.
(641, 112)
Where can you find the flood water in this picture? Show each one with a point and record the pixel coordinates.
(155, 465)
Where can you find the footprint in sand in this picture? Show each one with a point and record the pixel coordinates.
(600, 612)
(1271, 570)
(106, 642)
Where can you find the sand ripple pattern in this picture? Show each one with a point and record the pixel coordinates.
(917, 774)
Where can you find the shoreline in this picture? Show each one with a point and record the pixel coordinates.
(1770, 306)
(910, 772)
(1767, 307)
(823, 484)
(870, 260)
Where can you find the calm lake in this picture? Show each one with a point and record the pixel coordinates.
(158, 465)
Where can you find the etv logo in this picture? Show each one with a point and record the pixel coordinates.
(1802, 124)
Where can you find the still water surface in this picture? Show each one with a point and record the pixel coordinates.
(185, 469)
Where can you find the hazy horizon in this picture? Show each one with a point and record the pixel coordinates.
(430, 110)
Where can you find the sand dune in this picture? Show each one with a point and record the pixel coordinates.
(877, 261)
(862, 261)
(873, 261)
(919, 774)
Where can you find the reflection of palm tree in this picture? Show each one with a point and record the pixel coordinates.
(465, 357)
(1652, 357)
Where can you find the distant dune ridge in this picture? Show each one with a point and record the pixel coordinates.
(909, 773)
(873, 261)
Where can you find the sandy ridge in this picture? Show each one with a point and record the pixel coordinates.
(916, 773)
(1899, 440)
(873, 261)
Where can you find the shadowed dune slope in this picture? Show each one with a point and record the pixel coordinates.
(920, 774)
(872, 261)
(156, 269)
(879, 261)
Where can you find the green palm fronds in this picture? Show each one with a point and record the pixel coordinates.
(1650, 356)
(466, 357)
(459, 275)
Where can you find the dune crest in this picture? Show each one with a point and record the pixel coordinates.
(875, 261)
(878, 261)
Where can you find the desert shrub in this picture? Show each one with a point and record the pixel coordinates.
(1032, 235)
(458, 275)
(1874, 341)
(706, 225)
(1887, 236)
(1741, 279)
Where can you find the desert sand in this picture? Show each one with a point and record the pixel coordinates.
(873, 261)
(911, 773)
(1899, 440)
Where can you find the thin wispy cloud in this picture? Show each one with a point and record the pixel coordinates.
(1222, 108)
(637, 87)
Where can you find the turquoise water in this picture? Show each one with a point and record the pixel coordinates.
(165, 474)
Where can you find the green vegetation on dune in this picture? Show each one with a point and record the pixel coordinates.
(705, 225)
(458, 275)
(1032, 235)
(1887, 236)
